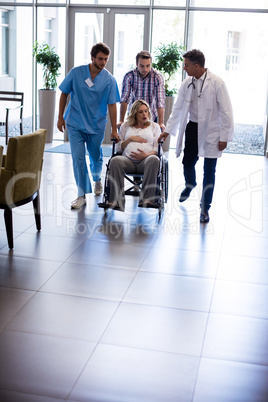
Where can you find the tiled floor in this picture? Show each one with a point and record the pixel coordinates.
(131, 309)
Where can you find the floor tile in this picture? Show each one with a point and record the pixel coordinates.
(23, 218)
(144, 233)
(250, 246)
(66, 227)
(220, 381)
(240, 299)
(181, 262)
(11, 302)
(41, 365)
(239, 339)
(193, 241)
(13, 396)
(49, 248)
(112, 254)
(25, 273)
(125, 374)
(243, 269)
(90, 281)
(64, 317)
(170, 291)
(157, 328)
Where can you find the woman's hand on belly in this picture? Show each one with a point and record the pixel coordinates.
(138, 156)
(136, 138)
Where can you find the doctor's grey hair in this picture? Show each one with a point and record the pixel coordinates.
(195, 57)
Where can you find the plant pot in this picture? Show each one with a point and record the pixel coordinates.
(169, 102)
(47, 101)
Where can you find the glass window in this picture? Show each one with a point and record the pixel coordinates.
(51, 1)
(51, 29)
(88, 30)
(4, 41)
(256, 4)
(170, 3)
(127, 43)
(233, 54)
(113, 2)
(17, 1)
(233, 50)
(18, 56)
(168, 26)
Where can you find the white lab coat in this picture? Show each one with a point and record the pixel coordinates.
(215, 116)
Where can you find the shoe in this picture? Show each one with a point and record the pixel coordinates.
(185, 194)
(98, 188)
(204, 217)
(79, 202)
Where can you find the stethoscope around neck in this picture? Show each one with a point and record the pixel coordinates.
(193, 84)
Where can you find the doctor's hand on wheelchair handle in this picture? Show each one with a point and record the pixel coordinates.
(163, 136)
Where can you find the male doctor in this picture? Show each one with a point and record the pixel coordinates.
(203, 112)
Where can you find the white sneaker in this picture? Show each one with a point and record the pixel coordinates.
(98, 187)
(79, 202)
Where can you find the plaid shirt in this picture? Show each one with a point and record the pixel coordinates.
(151, 89)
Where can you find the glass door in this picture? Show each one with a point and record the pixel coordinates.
(85, 29)
(125, 31)
(130, 33)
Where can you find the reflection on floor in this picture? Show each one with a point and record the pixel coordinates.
(132, 309)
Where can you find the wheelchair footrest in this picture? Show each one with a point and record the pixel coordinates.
(106, 206)
(149, 205)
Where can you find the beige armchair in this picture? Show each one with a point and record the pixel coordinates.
(21, 175)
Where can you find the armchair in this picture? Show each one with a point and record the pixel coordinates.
(11, 113)
(21, 176)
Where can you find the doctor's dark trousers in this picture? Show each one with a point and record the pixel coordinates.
(189, 160)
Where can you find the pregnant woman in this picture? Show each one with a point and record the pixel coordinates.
(138, 144)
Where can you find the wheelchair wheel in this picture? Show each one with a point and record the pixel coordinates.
(166, 179)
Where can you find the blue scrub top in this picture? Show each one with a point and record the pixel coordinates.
(87, 109)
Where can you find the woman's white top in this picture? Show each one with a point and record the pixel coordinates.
(150, 134)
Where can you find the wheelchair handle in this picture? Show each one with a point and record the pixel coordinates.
(159, 148)
(114, 140)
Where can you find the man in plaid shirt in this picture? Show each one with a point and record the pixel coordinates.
(144, 82)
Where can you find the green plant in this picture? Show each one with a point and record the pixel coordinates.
(167, 62)
(50, 61)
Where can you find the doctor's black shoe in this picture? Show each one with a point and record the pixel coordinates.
(185, 194)
(204, 217)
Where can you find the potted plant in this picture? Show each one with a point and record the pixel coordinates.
(168, 58)
(50, 62)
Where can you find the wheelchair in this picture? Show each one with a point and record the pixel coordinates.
(134, 180)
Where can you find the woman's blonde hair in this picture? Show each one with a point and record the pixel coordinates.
(131, 119)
